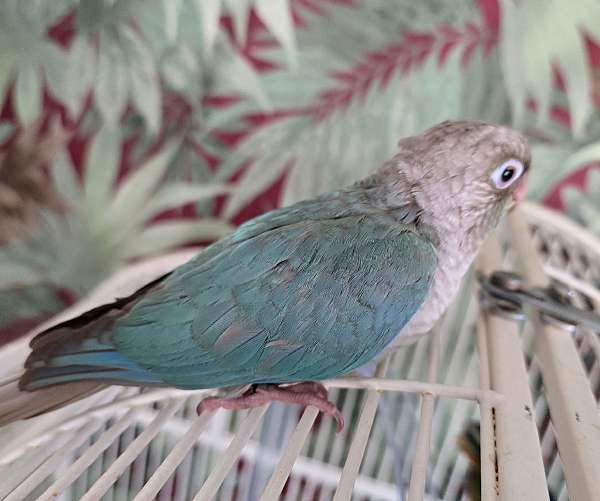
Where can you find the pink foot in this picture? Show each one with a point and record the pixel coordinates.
(305, 394)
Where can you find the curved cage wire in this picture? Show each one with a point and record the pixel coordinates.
(404, 415)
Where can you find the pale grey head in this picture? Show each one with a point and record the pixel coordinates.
(462, 172)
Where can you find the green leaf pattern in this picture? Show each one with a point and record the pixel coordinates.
(128, 60)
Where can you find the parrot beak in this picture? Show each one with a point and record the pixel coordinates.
(519, 193)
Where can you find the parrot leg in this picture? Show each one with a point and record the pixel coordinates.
(309, 393)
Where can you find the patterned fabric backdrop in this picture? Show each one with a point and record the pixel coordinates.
(132, 127)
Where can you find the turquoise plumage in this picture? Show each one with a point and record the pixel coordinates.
(300, 294)
(287, 297)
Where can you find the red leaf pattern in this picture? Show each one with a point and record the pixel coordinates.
(411, 52)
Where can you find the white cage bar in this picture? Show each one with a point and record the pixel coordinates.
(572, 403)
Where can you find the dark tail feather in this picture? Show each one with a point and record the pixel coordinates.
(71, 361)
(101, 318)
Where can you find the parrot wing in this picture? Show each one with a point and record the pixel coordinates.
(283, 299)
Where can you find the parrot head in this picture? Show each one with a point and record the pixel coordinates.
(465, 173)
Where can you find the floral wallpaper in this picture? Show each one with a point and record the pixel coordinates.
(129, 128)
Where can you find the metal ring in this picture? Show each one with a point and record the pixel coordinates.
(500, 307)
(561, 323)
(507, 280)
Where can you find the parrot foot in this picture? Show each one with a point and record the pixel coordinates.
(309, 393)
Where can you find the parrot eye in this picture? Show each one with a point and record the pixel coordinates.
(507, 173)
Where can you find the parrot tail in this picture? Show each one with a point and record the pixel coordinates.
(72, 360)
(16, 404)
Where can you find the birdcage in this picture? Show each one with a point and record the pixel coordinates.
(529, 381)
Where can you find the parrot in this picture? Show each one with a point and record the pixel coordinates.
(297, 295)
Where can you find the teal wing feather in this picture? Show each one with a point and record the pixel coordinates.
(304, 293)
(305, 301)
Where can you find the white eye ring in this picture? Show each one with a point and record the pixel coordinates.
(507, 173)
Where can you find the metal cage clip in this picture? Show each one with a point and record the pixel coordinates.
(505, 293)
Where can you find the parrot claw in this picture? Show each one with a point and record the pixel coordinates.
(308, 393)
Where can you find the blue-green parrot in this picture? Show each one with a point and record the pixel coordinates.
(300, 294)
